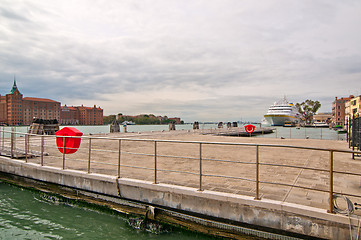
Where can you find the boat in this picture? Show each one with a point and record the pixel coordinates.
(289, 124)
(281, 112)
(128, 123)
(318, 125)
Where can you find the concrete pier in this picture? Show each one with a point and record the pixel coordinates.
(215, 202)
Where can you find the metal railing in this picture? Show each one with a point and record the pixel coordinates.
(111, 153)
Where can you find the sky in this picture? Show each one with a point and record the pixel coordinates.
(201, 60)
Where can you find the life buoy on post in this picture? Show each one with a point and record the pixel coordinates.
(249, 128)
(72, 142)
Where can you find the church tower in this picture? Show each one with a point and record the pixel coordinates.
(14, 100)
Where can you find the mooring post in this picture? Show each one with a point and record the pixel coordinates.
(89, 154)
(63, 152)
(257, 173)
(155, 162)
(42, 151)
(200, 167)
(119, 155)
(330, 210)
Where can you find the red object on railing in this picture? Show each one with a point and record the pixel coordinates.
(71, 143)
(249, 128)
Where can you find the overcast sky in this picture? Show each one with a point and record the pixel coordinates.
(210, 60)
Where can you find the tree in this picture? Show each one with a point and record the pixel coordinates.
(307, 109)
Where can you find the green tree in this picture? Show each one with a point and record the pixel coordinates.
(307, 109)
(108, 119)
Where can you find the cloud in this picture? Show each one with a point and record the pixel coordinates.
(198, 60)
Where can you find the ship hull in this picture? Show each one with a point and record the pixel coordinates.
(279, 120)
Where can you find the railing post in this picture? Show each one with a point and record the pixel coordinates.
(89, 154)
(290, 132)
(330, 210)
(42, 151)
(257, 173)
(155, 162)
(3, 137)
(200, 167)
(12, 143)
(63, 152)
(26, 147)
(119, 156)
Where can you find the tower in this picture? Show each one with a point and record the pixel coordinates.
(14, 102)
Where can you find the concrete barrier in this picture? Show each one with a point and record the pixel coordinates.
(221, 207)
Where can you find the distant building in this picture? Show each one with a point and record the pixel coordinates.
(338, 110)
(16, 110)
(353, 107)
(322, 117)
(177, 120)
(81, 115)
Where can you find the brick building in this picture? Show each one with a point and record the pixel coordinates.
(81, 115)
(339, 110)
(18, 110)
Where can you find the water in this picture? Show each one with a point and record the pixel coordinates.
(26, 214)
(284, 132)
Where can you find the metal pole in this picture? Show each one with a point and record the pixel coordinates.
(63, 152)
(26, 147)
(276, 132)
(119, 156)
(89, 154)
(155, 162)
(330, 210)
(290, 133)
(12, 143)
(257, 173)
(321, 133)
(42, 151)
(3, 136)
(200, 167)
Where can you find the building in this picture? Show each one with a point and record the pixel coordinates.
(322, 117)
(18, 110)
(339, 110)
(353, 108)
(176, 120)
(69, 115)
(81, 115)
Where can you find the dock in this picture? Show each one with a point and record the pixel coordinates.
(238, 132)
(212, 183)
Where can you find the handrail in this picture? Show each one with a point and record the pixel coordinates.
(201, 158)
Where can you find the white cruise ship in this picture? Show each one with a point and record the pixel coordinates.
(281, 112)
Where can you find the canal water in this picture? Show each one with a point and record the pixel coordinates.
(26, 214)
